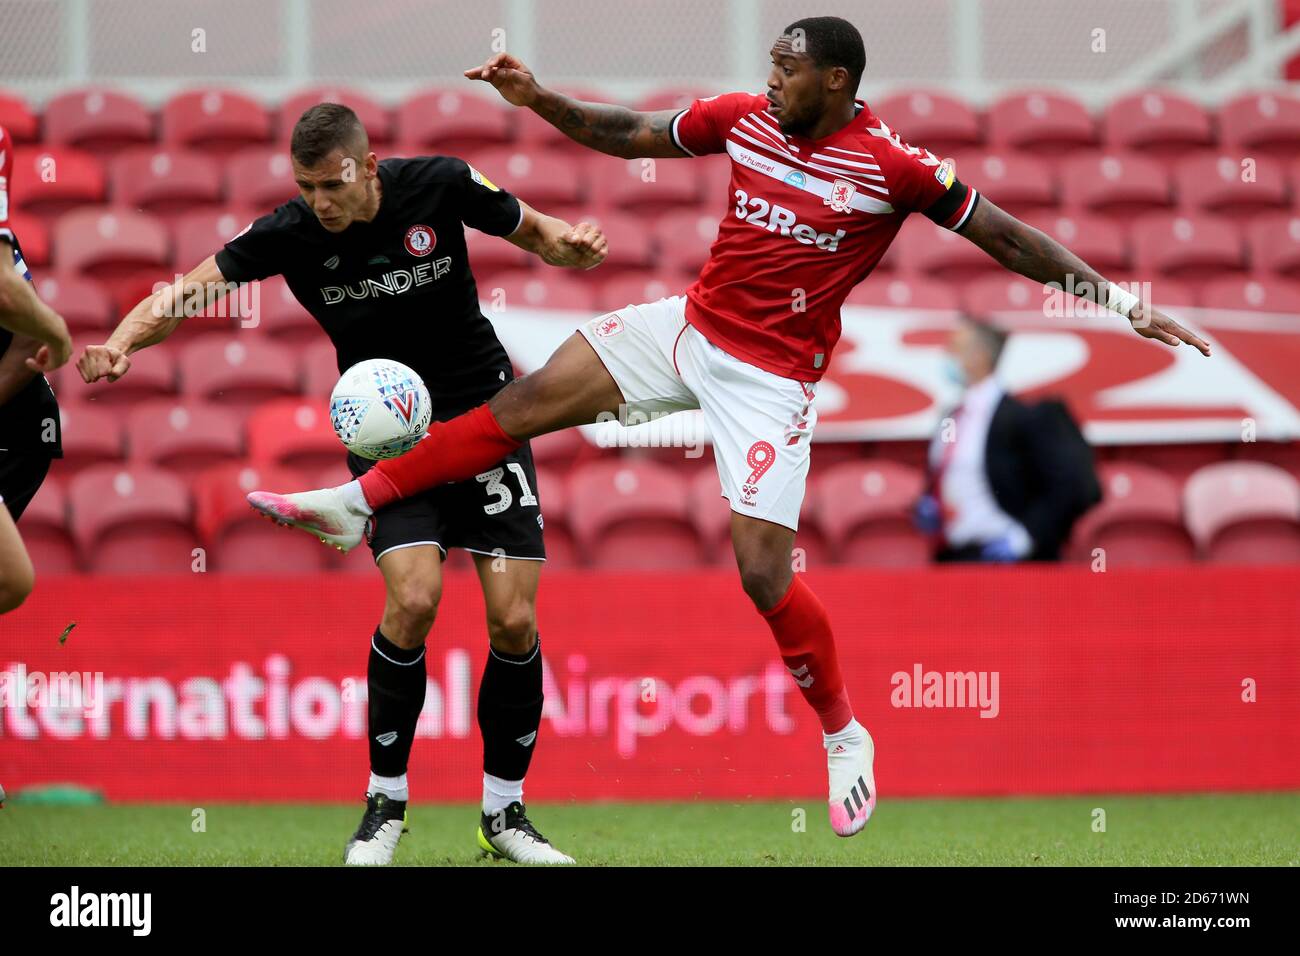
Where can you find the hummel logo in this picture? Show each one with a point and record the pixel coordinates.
(386, 739)
(527, 739)
(801, 676)
(332, 262)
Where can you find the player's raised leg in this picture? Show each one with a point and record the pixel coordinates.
(396, 681)
(572, 388)
(510, 709)
(802, 629)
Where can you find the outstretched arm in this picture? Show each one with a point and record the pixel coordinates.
(557, 243)
(1035, 255)
(611, 129)
(23, 313)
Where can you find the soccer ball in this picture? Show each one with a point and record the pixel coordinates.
(380, 409)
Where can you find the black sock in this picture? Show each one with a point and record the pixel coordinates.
(510, 711)
(396, 680)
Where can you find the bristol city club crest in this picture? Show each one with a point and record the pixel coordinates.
(420, 240)
(841, 197)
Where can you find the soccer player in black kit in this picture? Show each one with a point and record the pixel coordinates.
(375, 251)
(33, 340)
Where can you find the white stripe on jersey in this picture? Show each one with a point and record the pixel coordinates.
(884, 132)
(812, 184)
(854, 177)
(764, 132)
(770, 122)
(845, 162)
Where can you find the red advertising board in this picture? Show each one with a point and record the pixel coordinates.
(668, 685)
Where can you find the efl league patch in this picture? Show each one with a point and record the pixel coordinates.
(841, 197)
(607, 326)
(482, 180)
(420, 240)
(946, 173)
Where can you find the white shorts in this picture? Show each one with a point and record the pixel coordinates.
(761, 423)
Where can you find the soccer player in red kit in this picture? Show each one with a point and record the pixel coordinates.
(819, 187)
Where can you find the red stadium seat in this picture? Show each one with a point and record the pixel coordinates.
(452, 120)
(260, 178)
(241, 541)
(1264, 122)
(927, 249)
(1041, 122)
(293, 433)
(561, 549)
(237, 371)
(672, 98)
(91, 435)
(82, 301)
(939, 122)
(216, 121)
(195, 236)
(543, 180)
(280, 315)
(632, 515)
(22, 122)
(1274, 245)
(560, 450)
(630, 243)
(915, 292)
(1223, 186)
(46, 532)
(650, 184)
(1158, 123)
(1017, 183)
(132, 521)
(34, 236)
(319, 369)
(864, 508)
(111, 241)
(152, 375)
(1241, 295)
(1117, 185)
(996, 296)
(1176, 461)
(1138, 522)
(374, 115)
(183, 437)
(1096, 240)
(1244, 512)
(491, 255)
(97, 119)
(684, 240)
(634, 289)
(1194, 248)
(711, 514)
(1282, 454)
(554, 290)
(165, 181)
(54, 179)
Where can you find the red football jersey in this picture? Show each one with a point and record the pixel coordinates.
(809, 220)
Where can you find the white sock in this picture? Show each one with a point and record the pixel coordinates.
(392, 787)
(499, 794)
(846, 733)
(355, 498)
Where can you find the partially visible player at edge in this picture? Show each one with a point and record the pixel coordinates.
(33, 340)
(820, 187)
(375, 251)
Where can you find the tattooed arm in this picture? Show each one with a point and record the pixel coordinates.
(1035, 255)
(604, 127)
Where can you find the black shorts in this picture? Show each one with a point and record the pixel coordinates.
(495, 513)
(21, 474)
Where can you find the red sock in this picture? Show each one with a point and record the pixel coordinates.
(453, 451)
(802, 630)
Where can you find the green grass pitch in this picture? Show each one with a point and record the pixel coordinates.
(1210, 829)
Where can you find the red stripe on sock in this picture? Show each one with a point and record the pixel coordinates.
(802, 629)
(452, 451)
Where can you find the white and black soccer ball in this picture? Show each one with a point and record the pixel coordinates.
(380, 409)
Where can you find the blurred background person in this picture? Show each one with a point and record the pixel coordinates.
(1005, 480)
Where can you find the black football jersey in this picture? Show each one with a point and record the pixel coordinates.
(400, 286)
(29, 422)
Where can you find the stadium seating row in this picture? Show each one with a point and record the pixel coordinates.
(639, 514)
(1041, 121)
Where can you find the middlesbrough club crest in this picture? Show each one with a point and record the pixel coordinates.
(841, 197)
(420, 240)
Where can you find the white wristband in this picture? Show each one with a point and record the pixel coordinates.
(1119, 299)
